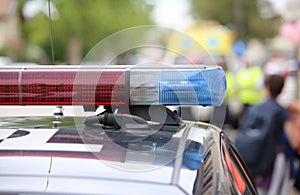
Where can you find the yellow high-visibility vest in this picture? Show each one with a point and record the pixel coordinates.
(250, 85)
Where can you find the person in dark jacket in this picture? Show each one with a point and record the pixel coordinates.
(273, 180)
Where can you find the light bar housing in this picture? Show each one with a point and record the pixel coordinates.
(112, 85)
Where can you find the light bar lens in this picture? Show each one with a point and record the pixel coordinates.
(185, 86)
(62, 87)
(144, 87)
(179, 87)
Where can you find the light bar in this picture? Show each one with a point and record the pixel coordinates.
(61, 85)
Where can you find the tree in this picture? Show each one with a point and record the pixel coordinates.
(241, 15)
(80, 24)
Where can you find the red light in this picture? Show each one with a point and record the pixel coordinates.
(62, 87)
(9, 87)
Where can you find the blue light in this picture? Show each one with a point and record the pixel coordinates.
(192, 87)
(187, 85)
(191, 158)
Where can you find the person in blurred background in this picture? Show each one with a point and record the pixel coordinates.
(249, 83)
(273, 86)
(274, 180)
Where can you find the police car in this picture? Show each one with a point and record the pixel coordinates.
(135, 145)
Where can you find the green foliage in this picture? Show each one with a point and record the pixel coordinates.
(88, 20)
(242, 15)
(213, 10)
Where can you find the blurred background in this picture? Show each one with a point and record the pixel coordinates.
(249, 39)
(78, 26)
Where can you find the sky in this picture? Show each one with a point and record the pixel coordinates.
(33, 7)
(172, 13)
